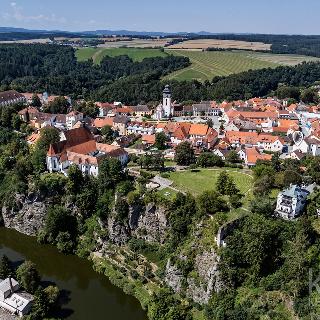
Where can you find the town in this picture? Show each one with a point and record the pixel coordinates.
(250, 131)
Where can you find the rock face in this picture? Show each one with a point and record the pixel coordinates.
(206, 265)
(119, 232)
(173, 277)
(201, 288)
(26, 215)
(152, 224)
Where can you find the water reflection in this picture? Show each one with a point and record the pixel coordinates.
(85, 293)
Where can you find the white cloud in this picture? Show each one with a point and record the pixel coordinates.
(17, 14)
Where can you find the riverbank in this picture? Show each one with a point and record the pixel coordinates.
(86, 294)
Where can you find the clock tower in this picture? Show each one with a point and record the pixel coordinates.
(166, 104)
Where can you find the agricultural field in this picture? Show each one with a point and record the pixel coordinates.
(208, 64)
(136, 54)
(204, 64)
(282, 59)
(202, 44)
(136, 43)
(205, 179)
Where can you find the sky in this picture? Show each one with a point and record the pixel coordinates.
(236, 16)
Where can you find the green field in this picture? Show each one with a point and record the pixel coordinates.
(206, 65)
(136, 54)
(205, 179)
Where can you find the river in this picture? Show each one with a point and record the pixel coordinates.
(86, 294)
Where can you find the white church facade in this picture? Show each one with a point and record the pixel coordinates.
(165, 110)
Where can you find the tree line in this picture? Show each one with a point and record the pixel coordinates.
(51, 68)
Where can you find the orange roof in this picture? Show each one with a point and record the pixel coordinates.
(111, 150)
(82, 159)
(253, 138)
(271, 108)
(84, 148)
(251, 114)
(269, 138)
(242, 137)
(292, 107)
(101, 122)
(288, 123)
(182, 132)
(161, 125)
(253, 155)
(198, 129)
(123, 110)
(149, 139)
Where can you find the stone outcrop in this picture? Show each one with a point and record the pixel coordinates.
(173, 277)
(119, 232)
(198, 289)
(206, 265)
(152, 224)
(26, 214)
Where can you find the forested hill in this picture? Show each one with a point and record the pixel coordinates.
(38, 68)
(56, 69)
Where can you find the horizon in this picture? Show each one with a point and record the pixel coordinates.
(247, 17)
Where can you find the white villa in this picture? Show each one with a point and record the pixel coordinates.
(292, 201)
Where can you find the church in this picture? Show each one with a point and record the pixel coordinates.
(166, 109)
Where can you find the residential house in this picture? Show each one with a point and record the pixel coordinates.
(99, 123)
(13, 299)
(148, 140)
(8, 98)
(72, 118)
(141, 111)
(105, 108)
(120, 124)
(292, 201)
(204, 109)
(250, 156)
(140, 128)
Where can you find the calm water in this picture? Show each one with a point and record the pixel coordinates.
(86, 294)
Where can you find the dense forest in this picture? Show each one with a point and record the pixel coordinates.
(38, 68)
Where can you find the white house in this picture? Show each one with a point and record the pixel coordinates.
(18, 303)
(292, 201)
(72, 118)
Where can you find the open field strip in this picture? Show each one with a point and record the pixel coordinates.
(222, 44)
(136, 54)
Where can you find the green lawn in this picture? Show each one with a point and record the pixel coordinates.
(205, 179)
(136, 54)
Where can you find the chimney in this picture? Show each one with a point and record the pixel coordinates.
(11, 287)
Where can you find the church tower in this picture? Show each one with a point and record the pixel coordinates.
(166, 104)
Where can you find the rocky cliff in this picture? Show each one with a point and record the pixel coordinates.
(26, 214)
